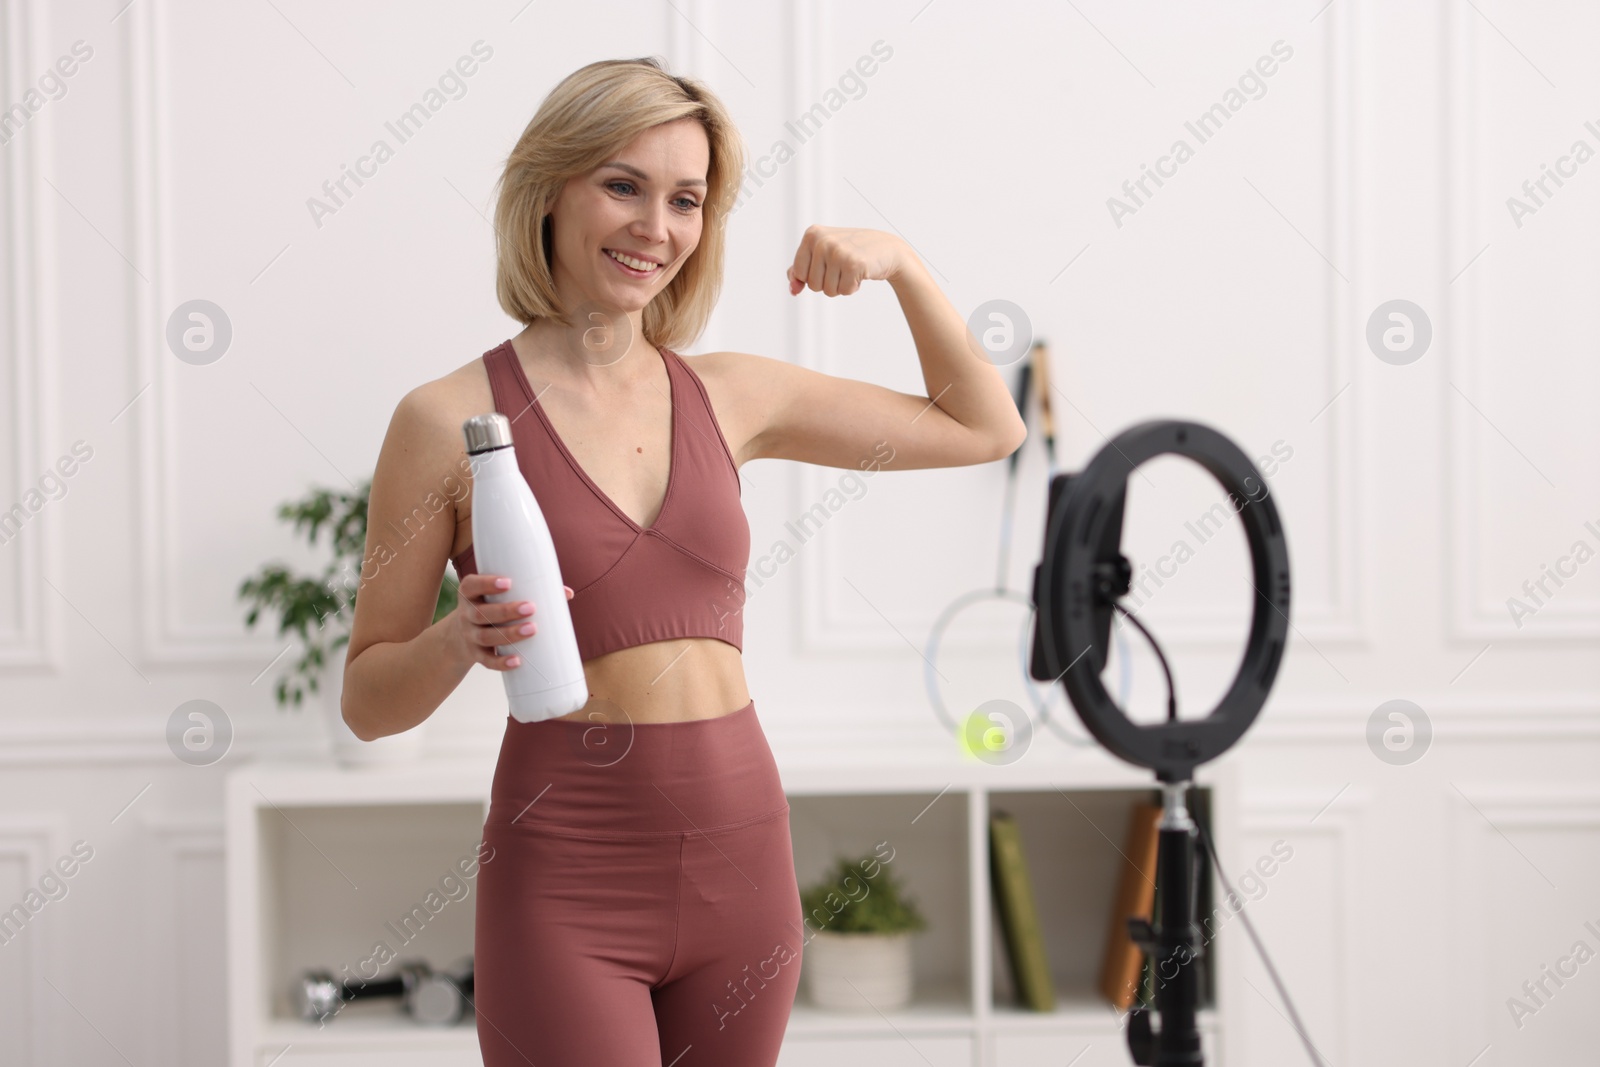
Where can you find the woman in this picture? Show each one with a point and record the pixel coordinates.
(637, 901)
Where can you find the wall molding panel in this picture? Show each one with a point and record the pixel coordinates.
(1564, 619)
(29, 844)
(180, 851)
(30, 628)
(1269, 813)
(1481, 818)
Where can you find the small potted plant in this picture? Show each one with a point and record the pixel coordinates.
(859, 957)
(318, 610)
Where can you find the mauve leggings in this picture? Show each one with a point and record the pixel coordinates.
(639, 907)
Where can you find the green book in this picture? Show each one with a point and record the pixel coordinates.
(1019, 917)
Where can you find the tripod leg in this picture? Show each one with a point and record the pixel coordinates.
(1176, 986)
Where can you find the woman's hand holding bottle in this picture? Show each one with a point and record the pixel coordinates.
(481, 624)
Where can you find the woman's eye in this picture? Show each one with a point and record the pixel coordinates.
(691, 203)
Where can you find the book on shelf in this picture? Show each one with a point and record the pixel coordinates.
(1122, 962)
(1019, 914)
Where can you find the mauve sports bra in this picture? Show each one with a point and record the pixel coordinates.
(681, 577)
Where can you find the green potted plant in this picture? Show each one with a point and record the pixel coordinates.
(859, 957)
(317, 612)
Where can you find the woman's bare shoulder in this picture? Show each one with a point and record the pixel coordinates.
(450, 399)
(427, 428)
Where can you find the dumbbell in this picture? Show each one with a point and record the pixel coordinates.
(431, 998)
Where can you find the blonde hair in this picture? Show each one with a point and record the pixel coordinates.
(585, 120)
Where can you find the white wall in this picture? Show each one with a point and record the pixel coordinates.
(1376, 165)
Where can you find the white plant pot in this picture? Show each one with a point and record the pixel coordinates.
(858, 971)
(348, 749)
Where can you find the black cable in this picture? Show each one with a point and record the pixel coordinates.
(1294, 1016)
(1172, 697)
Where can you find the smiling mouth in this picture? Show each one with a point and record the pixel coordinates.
(637, 267)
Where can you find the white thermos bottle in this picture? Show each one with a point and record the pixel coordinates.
(510, 538)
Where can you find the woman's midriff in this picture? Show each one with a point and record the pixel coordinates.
(677, 680)
(631, 779)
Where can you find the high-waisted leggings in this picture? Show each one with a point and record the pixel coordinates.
(637, 903)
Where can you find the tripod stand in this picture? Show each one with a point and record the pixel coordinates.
(1174, 940)
(1081, 576)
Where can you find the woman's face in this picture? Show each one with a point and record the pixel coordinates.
(645, 202)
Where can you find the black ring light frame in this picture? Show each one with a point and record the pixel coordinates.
(1082, 571)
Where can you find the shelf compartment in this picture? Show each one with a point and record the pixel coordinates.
(922, 839)
(354, 888)
(1072, 840)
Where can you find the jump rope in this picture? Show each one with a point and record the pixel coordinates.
(1038, 367)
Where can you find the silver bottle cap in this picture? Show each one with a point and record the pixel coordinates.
(484, 432)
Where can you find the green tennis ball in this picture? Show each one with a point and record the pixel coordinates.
(981, 735)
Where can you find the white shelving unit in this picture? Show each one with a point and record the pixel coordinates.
(323, 863)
